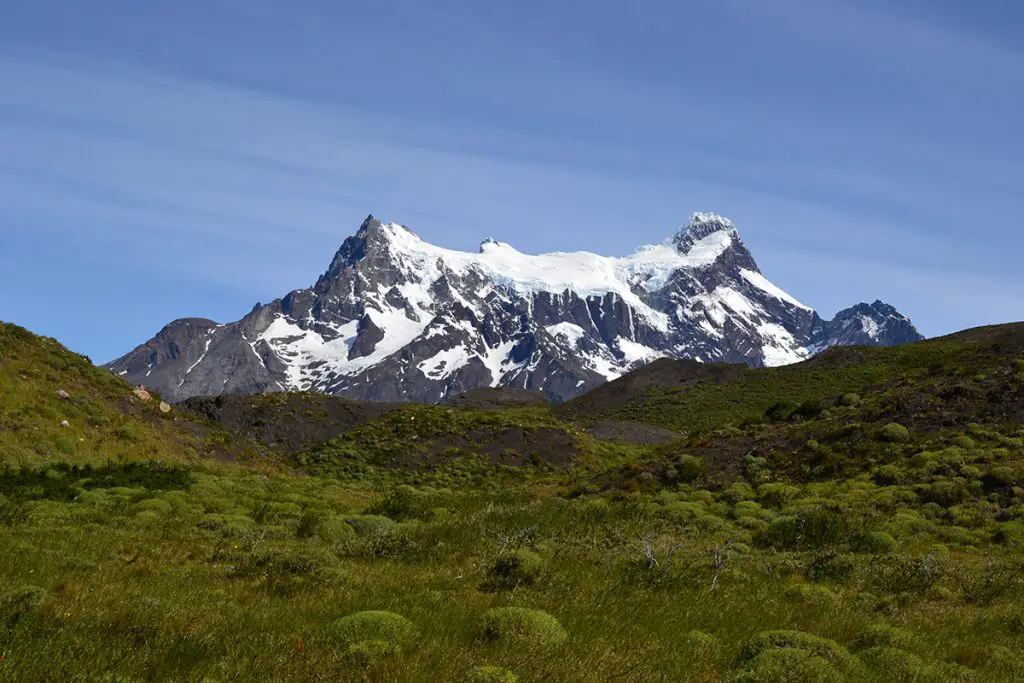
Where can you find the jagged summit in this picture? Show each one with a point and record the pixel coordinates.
(702, 226)
(396, 318)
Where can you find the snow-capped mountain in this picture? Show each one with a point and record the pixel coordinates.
(395, 318)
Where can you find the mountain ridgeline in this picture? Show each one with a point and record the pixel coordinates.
(397, 319)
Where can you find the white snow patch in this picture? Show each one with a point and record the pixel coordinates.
(570, 331)
(498, 362)
(634, 352)
(762, 283)
(602, 365)
(869, 326)
(443, 364)
(780, 348)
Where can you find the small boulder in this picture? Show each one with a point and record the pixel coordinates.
(63, 394)
(65, 423)
(142, 393)
(165, 407)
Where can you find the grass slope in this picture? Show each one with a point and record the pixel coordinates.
(856, 518)
(100, 420)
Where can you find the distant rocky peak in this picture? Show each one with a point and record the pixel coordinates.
(373, 240)
(704, 228)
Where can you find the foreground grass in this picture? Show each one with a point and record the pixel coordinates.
(242, 577)
(844, 521)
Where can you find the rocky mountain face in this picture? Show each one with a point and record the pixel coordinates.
(397, 319)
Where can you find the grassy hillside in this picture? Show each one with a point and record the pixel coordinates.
(55, 407)
(856, 518)
(688, 397)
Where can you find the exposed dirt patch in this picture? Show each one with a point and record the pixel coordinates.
(288, 423)
(632, 432)
(487, 398)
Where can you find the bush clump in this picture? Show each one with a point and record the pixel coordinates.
(895, 664)
(813, 596)
(405, 502)
(521, 568)
(894, 433)
(371, 525)
(491, 674)
(529, 627)
(690, 468)
(878, 543)
(768, 641)
(377, 626)
(789, 666)
(849, 400)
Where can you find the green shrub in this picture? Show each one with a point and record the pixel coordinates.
(945, 492)
(894, 433)
(889, 475)
(789, 666)
(521, 568)
(878, 543)
(818, 597)
(690, 468)
(371, 525)
(157, 505)
(964, 442)
(375, 626)
(491, 674)
(684, 512)
(405, 502)
(278, 562)
(767, 641)
(335, 530)
(739, 491)
(529, 627)
(777, 495)
(813, 527)
(849, 400)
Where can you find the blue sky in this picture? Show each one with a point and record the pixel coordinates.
(161, 160)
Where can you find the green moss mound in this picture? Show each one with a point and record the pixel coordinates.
(769, 641)
(789, 666)
(894, 433)
(895, 664)
(529, 627)
(521, 568)
(375, 625)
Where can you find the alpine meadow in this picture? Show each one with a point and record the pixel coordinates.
(856, 516)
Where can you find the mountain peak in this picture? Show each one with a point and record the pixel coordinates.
(702, 227)
(396, 318)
